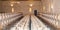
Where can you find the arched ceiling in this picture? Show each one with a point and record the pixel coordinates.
(20, 0)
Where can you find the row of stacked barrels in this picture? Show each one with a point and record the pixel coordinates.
(53, 19)
(6, 18)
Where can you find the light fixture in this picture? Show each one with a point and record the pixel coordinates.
(12, 5)
(31, 5)
(30, 9)
(43, 7)
(52, 6)
(12, 10)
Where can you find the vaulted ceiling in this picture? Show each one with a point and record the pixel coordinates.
(20, 0)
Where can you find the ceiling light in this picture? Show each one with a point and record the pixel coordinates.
(30, 9)
(52, 6)
(12, 9)
(11, 4)
(31, 5)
